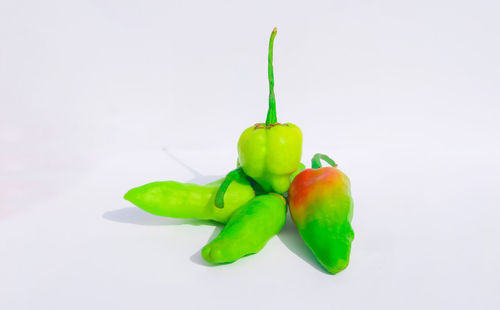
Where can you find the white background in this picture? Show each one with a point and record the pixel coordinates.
(97, 97)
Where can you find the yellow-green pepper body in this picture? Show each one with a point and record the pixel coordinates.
(271, 154)
(190, 201)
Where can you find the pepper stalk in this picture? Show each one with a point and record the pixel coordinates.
(316, 161)
(271, 112)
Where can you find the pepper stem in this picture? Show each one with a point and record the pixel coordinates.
(316, 161)
(236, 174)
(271, 112)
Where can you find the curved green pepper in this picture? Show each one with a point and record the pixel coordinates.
(185, 200)
(321, 206)
(248, 229)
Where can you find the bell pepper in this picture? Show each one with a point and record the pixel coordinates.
(321, 207)
(269, 153)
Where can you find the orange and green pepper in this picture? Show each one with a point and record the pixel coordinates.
(321, 206)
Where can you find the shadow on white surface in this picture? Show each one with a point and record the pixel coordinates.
(198, 177)
(290, 237)
(134, 215)
(137, 216)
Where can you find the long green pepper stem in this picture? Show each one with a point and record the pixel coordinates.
(316, 161)
(271, 112)
(235, 175)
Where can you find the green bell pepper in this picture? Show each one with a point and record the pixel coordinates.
(269, 153)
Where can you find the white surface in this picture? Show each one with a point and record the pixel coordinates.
(403, 95)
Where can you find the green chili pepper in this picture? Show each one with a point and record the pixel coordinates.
(321, 206)
(248, 229)
(185, 200)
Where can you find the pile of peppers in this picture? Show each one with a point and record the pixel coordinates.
(251, 201)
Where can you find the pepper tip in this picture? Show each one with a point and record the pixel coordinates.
(275, 29)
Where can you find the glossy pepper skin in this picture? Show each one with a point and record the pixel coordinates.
(190, 201)
(321, 206)
(270, 152)
(248, 229)
(238, 174)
